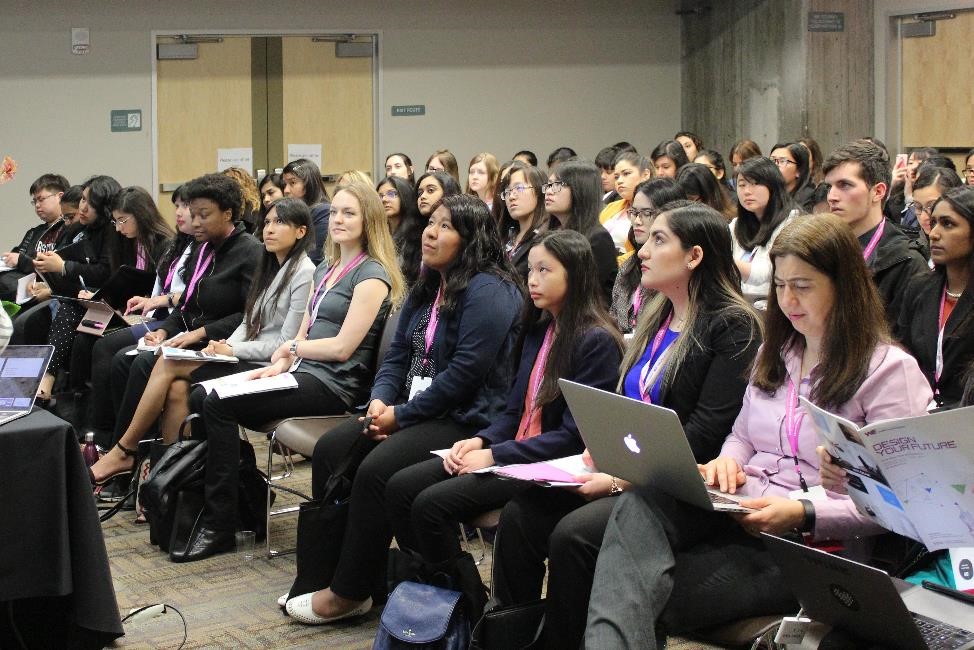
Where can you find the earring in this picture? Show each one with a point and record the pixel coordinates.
(689, 266)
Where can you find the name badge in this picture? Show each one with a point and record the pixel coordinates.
(815, 493)
(419, 385)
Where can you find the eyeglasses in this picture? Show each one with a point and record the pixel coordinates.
(119, 222)
(644, 214)
(432, 170)
(919, 208)
(390, 194)
(967, 171)
(553, 187)
(41, 199)
(515, 189)
(781, 162)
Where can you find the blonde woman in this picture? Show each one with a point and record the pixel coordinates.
(482, 174)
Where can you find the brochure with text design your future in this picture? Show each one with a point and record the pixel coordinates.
(914, 476)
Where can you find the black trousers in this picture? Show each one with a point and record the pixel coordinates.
(425, 503)
(101, 411)
(368, 534)
(219, 426)
(557, 525)
(129, 378)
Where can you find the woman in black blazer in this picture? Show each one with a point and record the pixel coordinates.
(573, 199)
(937, 321)
(522, 213)
(691, 351)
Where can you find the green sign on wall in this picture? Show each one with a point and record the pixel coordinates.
(129, 119)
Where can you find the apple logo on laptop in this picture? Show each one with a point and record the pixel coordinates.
(632, 444)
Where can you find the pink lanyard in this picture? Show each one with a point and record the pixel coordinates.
(315, 302)
(431, 327)
(874, 240)
(939, 365)
(541, 361)
(197, 273)
(172, 272)
(637, 302)
(139, 257)
(644, 388)
(793, 425)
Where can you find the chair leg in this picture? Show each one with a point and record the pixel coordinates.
(270, 462)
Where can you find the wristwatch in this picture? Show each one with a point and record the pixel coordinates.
(169, 299)
(294, 348)
(808, 523)
(614, 487)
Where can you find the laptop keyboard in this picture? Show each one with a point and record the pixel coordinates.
(717, 498)
(939, 635)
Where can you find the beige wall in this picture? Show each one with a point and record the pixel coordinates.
(497, 75)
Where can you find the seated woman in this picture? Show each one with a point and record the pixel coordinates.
(573, 200)
(666, 566)
(522, 213)
(694, 342)
(566, 334)
(399, 164)
(668, 158)
(76, 266)
(629, 169)
(218, 280)
(444, 378)
(765, 206)
(482, 176)
(335, 343)
(406, 224)
(935, 322)
(931, 183)
(701, 186)
(431, 188)
(271, 188)
(302, 180)
(792, 159)
(443, 160)
(628, 294)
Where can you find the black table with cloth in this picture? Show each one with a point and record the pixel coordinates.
(55, 582)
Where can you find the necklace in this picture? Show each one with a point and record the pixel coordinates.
(955, 296)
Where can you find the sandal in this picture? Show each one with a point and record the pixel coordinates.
(129, 453)
(43, 399)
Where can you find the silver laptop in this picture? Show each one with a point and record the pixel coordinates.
(21, 369)
(643, 444)
(867, 602)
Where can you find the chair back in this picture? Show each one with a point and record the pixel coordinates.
(388, 333)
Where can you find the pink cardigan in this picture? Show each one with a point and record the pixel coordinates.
(895, 387)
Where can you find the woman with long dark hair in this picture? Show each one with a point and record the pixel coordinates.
(523, 213)
(792, 159)
(431, 188)
(566, 334)
(272, 312)
(445, 376)
(629, 169)
(573, 201)
(668, 157)
(826, 340)
(701, 186)
(443, 160)
(936, 323)
(693, 344)
(628, 294)
(302, 180)
(765, 206)
(398, 200)
(399, 164)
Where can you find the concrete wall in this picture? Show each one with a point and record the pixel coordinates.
(495, 76)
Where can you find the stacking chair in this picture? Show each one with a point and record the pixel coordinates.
(300, 434)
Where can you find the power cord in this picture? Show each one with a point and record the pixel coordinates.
(134, 615)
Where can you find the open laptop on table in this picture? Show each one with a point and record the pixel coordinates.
(643, 444)
(21, 369)
(867, 602)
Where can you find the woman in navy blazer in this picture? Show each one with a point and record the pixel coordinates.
(443, 379)
(568, 335)
(939, 301)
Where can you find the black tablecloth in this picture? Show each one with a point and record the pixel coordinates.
(54, 568)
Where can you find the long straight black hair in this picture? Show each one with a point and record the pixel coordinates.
(293, 212)
(408, 236)
(581, 310)
(748, 229)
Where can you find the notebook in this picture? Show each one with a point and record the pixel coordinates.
(642, 443)
(21, 369)
(866, 602)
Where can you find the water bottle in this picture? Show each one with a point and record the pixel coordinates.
(90, 452)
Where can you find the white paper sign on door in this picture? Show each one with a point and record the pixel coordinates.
(242, 157)
(310, 151)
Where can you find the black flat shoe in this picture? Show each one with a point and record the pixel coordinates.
(203, 544)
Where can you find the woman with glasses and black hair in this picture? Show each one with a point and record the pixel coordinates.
(765, 206)
(405, 223)
(445, 376)
(302, 180)
(628, 294)
(936, 323)
(792, 161)
(523, 214)
(968, 170)
(931, 183)
(573, 200)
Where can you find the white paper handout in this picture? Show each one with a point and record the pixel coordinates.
(22, 284)
(240, 384)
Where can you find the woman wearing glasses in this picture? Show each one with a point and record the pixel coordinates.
(792, 161)
(573, 200)
(405, 223)
(969, 168)
(628, 294)
(931, 183)
(524, 213)
(765, 206)
(443, 160)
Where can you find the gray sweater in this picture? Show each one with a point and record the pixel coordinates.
(282, 319)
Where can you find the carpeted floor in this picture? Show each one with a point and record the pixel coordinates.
(229, 602)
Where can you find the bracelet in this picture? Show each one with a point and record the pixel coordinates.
(614, 487)
(808, 524)
(169, 300)
(294, 347)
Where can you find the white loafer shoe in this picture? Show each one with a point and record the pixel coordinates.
(282, 601)
(300, 610)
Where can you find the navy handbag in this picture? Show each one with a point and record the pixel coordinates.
(422, 616)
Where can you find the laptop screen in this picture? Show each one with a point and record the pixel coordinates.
(21, 369)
